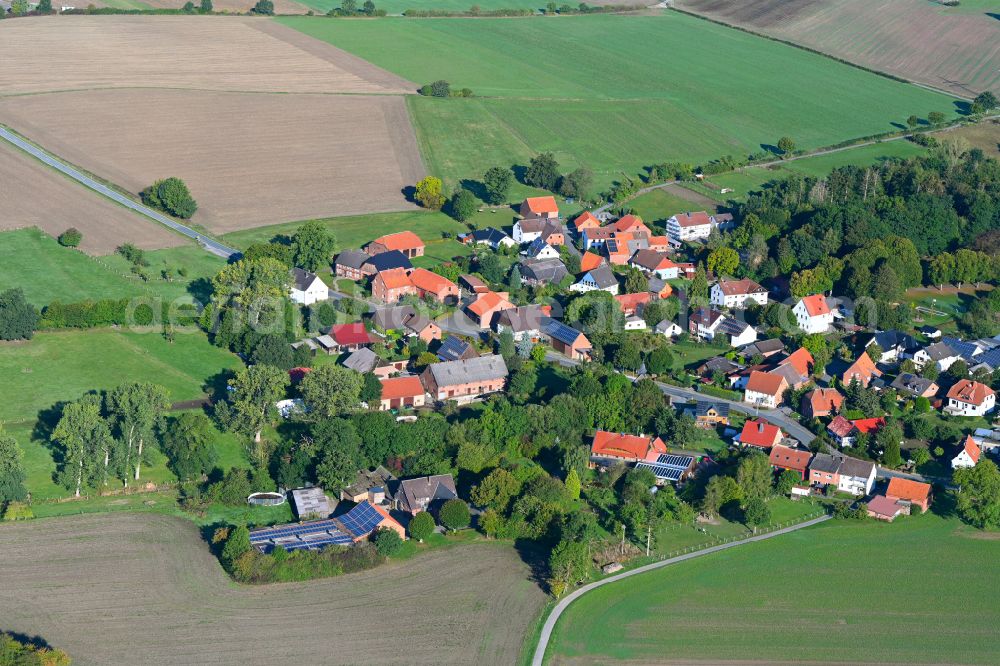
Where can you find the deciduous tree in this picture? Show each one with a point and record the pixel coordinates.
(12, 474)
(135, 409)
(84, 440)
(313, 245)
(331, 390)
(18, 317)
(497, 181)
(428, 193)
(455, 514)
(421, 526)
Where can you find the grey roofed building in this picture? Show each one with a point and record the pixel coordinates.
(394, 317)
(893, 339)
(384, 261)
(536, 247)
(790, 374)
(824, 462)
(352, 259)
(764, 347)
(733, 327)
(468, 370)
(456, 349)
(967, 350)
(855, 467)
(490, 236)
(423, 494)
(311, 502)
(363, 360)
(940, 350)
(702, 407)
(718, 364)
(989, 360)
(912, 384)
(365, 480)
(543, 271)
(303, 279)
(522, 319)
(603, 276)
(655, 284)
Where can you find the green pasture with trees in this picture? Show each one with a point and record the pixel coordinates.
(612, 111)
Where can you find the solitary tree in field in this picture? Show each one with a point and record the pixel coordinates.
(912, 121)
(70, 238)
(135, 409)
(756, 512)
(786, 144)
(497, 181)
(428, 193)
(543, 172)
(985, 101)
(421, 526)
(265, 7)
(171, 195)
(935, 117)
(462, 205)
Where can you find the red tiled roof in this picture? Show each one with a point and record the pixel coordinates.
(589, 261)
(487, 302)
(740, 287)
(801, 360)
(403, 240)
(825, 400)
(788, 458)
(914, 491)
(840, 426)
(586, 219)
(862, 369)
(698, 219)
(394, 278)
(631, 301)
(766, 383)
(542, 204)
(760, 433)
(883, 506)
(631, 223)
(350, 334)
(816, 305)
(613, 444)
(868, 425)
(970, 392)
(972, 448)
(401, 387)
(432, 282)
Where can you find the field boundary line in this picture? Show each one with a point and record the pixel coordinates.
(550, 622)
(209, 244)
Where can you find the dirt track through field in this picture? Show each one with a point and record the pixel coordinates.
(143, 589)
(250, 159)
(32, 195)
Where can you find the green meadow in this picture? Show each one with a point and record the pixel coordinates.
(918, 591)
(616, 93)
(400, 6)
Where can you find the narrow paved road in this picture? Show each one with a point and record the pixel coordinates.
(553, 618)
(213, 246)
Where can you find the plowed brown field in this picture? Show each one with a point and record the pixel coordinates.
(32, 195)
(913, 39)
(143, 589)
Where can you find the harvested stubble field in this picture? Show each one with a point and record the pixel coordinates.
(32, 195)
(167, 601)
(136, 98)
(249, 159)
(915, 39)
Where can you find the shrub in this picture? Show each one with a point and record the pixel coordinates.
(70, 238)
(18, 317)
(455, 514)
(462, 205)
(422, 526)
(387, 542)
(18, 511)
(171, 195)
(265, 7)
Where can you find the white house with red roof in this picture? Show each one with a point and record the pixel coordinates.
(765, 389)
(969, 398)
(685, 227)
(760, 434)
(813, 314)
(609, 447)
(737, 293)
(968, 456)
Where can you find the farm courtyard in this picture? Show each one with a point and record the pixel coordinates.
(165, 600)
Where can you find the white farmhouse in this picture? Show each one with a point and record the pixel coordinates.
(969, 398)
(813, 314)
(690, 226)
(307, 288)
(737, 293)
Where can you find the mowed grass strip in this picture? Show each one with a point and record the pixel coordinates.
(672, 87)
(842, 592)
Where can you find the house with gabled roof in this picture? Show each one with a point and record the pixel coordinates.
(707, 323)
(490, 237)
(402, 392)
(686, 227)
(585, 220)
(349, 262)
(631, 304)
(813, 314)
(527, 230)
(660, 289)
(610, 447)
(908, 493)
(784, 457)
(385, 261)
(589, 261)
(466, 379)
(766, 348)
(368, 485)
(596, 238)
(883, 508)
(539, 207)
(840, 429)
(539, 249)
(968, 455)
(863, 370)
(894, 345)
(710, 413)
(307, 288)
(392, 285)
(538, 272)
(821, 402)
(426, 493)
(657, 264)
(969, 398)
(760, 434)
(601, 278)
(430, 284)
(350, 337)
(406, 242)
(737, 293)
(800, 359)
(524, 322)
(765, 389)
(847, 474)
(566, 340)
(622, 246)
(914, 385)
(632, 223)
(454, 348)
(941, 354)
(487, 306)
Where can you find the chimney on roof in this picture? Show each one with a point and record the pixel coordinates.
(760, 426)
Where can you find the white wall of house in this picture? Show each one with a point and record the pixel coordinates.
(719, 299)
(316, 292)
(678, 233)
(760, 399)
(522, 236)
(857, 485)
(959, 408)
(810, 324)
(963, 459)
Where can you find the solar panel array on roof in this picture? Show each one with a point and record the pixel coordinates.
(668, 467)
(560, 331)
(311, 535)
(671, 460)
(361, 520)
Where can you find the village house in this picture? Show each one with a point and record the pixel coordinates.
(454, 348)
(621, 247)
(490, 237)
(847, 474)
(940, 354)
(426, 493)
(760, 434)
(585, 220)
(821, 402)
(406, 242)
(528, 231)
(659, 289)
(766, 348)
(384, 262)
(909, 384)
(539, 272)
(710, 413)
(909, 494)
(736, 293)
(862, 371)
(969, 398)
(406, 319)
(631, 304)
(348, 264)
(391, 285)
(765, 390)
(668, 328)
(349, 337)
(465, 380)
(540, 207)
(402, 392)
(361, 361)
(634, 323)
(883, 508)
(631, 224)
(845, 433)
(539, 249)
(566, 340)
(707, 323)
(610, 447)
(371, 485)
(486, 307)
(596, 238)
(523, 322)
(813, 314)
(894, 345)
(601, 278)
(686, 227)
(430, 284)
(673, 467)
(796, 460)
(589, 261)
(658, 264)
(968, 455)
(307, 288)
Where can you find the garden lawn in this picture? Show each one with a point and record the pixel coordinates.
(842, 592)
(47, 271)
(653, 97)
(659, 205)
